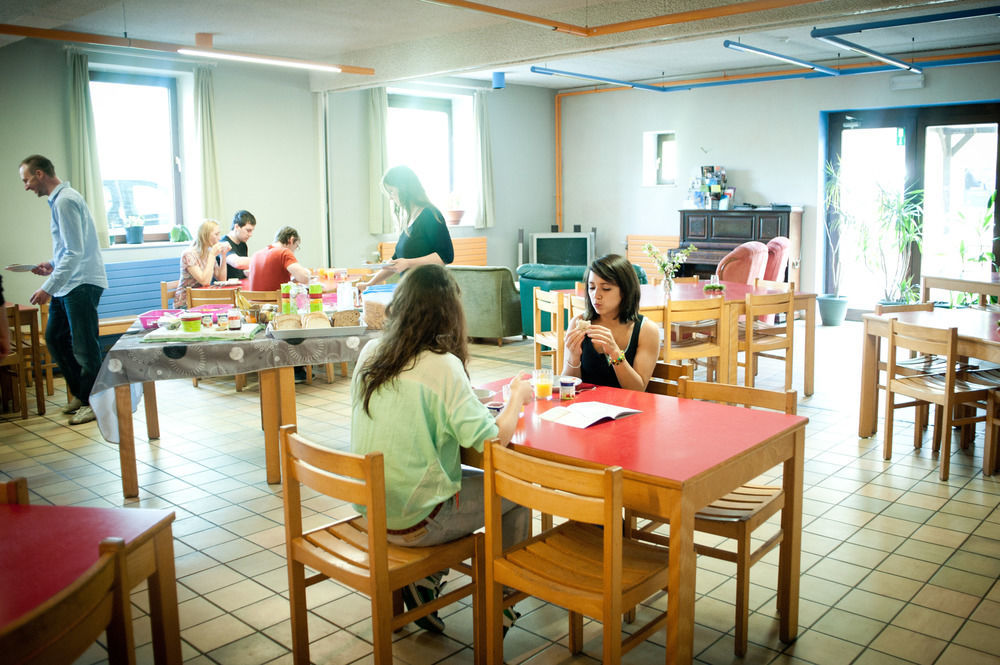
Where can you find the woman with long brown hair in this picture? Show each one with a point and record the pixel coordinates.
(413, 401)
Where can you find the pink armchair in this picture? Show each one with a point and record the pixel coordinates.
(777, 259)
(744, 264)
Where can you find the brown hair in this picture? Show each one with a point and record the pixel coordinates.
(616, 269)
(425, 315)
(411, 192)
(38, 162)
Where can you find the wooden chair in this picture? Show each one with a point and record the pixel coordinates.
(45, 362)
(59, 630)
(354, 552)
(167, 290)
(198, 297)
(992, 425)
(636, 255)
(693, 279)
(15, 491)
(945, 389)
(711, 338)
(665, 378)
(14, 366)
(738, 514)
(584, 564)
(548, 306)
(758, 338)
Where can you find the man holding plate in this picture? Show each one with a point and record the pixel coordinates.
(76, 280)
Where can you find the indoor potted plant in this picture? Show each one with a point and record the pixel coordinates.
(453, 215)
(668, 265)
(133, 229)
(833, 306)
(888, 243)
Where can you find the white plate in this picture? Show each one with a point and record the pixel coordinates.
(20, 267)
(302, 333)
(229, 282)
(559, 379)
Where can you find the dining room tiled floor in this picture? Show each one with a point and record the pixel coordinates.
(897, 567)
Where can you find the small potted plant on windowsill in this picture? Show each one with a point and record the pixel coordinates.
(453, 215)
(133, 230)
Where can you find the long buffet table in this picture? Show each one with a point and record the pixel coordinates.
(131, 368)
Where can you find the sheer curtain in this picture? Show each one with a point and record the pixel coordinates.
(84, 164)
(485, 218)
(379, 216)
(204, 109)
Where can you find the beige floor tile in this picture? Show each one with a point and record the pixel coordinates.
(928, 622)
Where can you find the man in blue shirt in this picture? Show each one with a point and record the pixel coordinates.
(76, 279)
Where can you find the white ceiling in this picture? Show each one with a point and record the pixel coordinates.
(407, 39)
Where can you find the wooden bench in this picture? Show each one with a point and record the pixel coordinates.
(468, 251)
(133, 288)
(637, 256)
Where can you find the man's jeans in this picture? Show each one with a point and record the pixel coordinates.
(71, 335)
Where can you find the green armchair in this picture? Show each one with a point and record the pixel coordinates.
(490, 300)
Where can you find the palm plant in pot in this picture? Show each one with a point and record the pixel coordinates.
(887, 245)
(833, 306)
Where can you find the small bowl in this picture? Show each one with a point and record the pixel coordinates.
(483, 395)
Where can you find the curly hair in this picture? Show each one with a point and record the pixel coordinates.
(616, 269)
(425, 315)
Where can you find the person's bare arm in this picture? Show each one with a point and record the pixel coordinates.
(237, 261)
(299, 272)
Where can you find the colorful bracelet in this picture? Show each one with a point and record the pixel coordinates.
(619, 360)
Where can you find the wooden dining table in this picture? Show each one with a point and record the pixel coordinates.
(44, 549)
(652, 297)
(978, 337)
(984, 284)
(678, 455)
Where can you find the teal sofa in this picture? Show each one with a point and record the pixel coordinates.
(490, 301)
(550, 278)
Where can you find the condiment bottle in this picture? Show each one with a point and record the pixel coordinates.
(567, 388)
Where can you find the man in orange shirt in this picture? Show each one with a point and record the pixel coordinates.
(276, 264)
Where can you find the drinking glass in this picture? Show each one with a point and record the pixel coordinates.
(542, 380)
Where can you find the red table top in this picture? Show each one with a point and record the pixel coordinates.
(671, 439)
(43, 549)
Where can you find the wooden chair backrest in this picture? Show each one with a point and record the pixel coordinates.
(772, 284)
(468, 251)
(15, 491)
(693, 279)
(549, 303)
(64, 626)
(167, 290)
(775, 303)
(16, 334)
(261, 296)
(683, 311)
(197, 297)
(925, 340)
(774, 400)
(577, 306)
(881, 309)
(358, 479)
(665, 378)
(636, 255)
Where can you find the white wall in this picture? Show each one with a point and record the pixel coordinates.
(266, 128)
(767, 135)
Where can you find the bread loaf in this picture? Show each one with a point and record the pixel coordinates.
(286, 322)
(374, 314)
(315, 320)
(347, 317)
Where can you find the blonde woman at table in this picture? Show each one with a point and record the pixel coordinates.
(611, 344)
(412, 400)
(204, 260)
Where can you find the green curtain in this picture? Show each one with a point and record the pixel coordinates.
(485, 218)
(204, 109)
(379, 215)
(84, 168)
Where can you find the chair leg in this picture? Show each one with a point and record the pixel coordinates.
(382, 626)
(343, 369)
(299, 615)
(945, 462)
(309, 375)
(990, 444)
(576, 632)
(887, 436)
(241, 382)
(742, 591)
(479, 600)
(494, 622)
(329, 372)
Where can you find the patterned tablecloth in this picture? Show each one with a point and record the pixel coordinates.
(130, 361)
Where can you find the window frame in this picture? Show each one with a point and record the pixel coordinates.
(436, 104)
(170, 84)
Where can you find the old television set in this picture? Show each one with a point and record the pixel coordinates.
(566, 249)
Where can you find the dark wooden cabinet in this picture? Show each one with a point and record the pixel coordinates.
(717, 232)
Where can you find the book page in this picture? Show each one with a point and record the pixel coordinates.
(585, 414)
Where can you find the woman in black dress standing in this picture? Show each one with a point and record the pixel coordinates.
(424, 237)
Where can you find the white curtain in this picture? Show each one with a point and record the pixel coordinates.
(204, 109)
(84, 167)
(485, 218)
(379, 215)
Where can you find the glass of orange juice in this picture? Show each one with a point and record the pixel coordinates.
(542, 380)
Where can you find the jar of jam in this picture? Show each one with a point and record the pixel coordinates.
(234, 319)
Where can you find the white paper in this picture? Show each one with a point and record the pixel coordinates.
(585, 414)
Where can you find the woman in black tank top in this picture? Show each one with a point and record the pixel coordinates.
(611, 344)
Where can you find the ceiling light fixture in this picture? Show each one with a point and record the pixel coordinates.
(889, 60)
(260, 59)
(591, 77)
(737, 46)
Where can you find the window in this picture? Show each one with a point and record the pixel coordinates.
(659, 158)
(435, 136)
(138, 147)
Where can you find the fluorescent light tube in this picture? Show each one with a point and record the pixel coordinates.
(737, 46)
(260, 59)
(591, 77)
(889, 60)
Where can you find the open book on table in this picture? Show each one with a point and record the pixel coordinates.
(585, 414)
